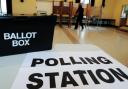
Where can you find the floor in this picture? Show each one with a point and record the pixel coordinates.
(109, 39)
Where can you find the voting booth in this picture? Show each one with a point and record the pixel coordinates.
(21, 34)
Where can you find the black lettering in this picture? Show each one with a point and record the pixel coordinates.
(63, 63)
(104, 60)
(73, 61)
(65, 82)
(118, 74)
(110, 78)
(35, 80)
(52, 79)
(95, 80)
(82, 59)
(55, 62)
(36, 61)
(92, 60)
(82, 77)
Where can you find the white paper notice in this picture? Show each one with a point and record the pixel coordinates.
(71, 70)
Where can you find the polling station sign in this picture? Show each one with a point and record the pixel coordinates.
(22, 34)
(71, 70)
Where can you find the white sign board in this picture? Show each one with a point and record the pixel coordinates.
(71, 70)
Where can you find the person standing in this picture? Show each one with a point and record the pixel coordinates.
(79, 14)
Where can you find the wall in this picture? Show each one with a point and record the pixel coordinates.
(127, 22)
(117, 11)
(98, 2)
(44, 6)
(27, 7)
(112, 10)
(107, 11)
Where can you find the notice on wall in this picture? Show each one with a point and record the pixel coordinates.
(71, 70)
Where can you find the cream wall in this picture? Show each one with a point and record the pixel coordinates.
(44, 6)
(117, 11)
(112, 9)
(107, 11)
(27, 7)
(98, 2)
(127, 22)
(31, 7)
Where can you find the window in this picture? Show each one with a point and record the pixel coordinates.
(3, 7)
(124, 12)
(126, 9)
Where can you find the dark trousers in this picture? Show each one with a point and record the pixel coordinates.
(79, 22)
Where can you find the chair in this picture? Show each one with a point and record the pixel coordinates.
(96, 15)
(87, 18)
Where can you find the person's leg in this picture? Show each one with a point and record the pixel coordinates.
(76, 24)
(81, 23)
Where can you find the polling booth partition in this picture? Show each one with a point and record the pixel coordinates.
(21, 34)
